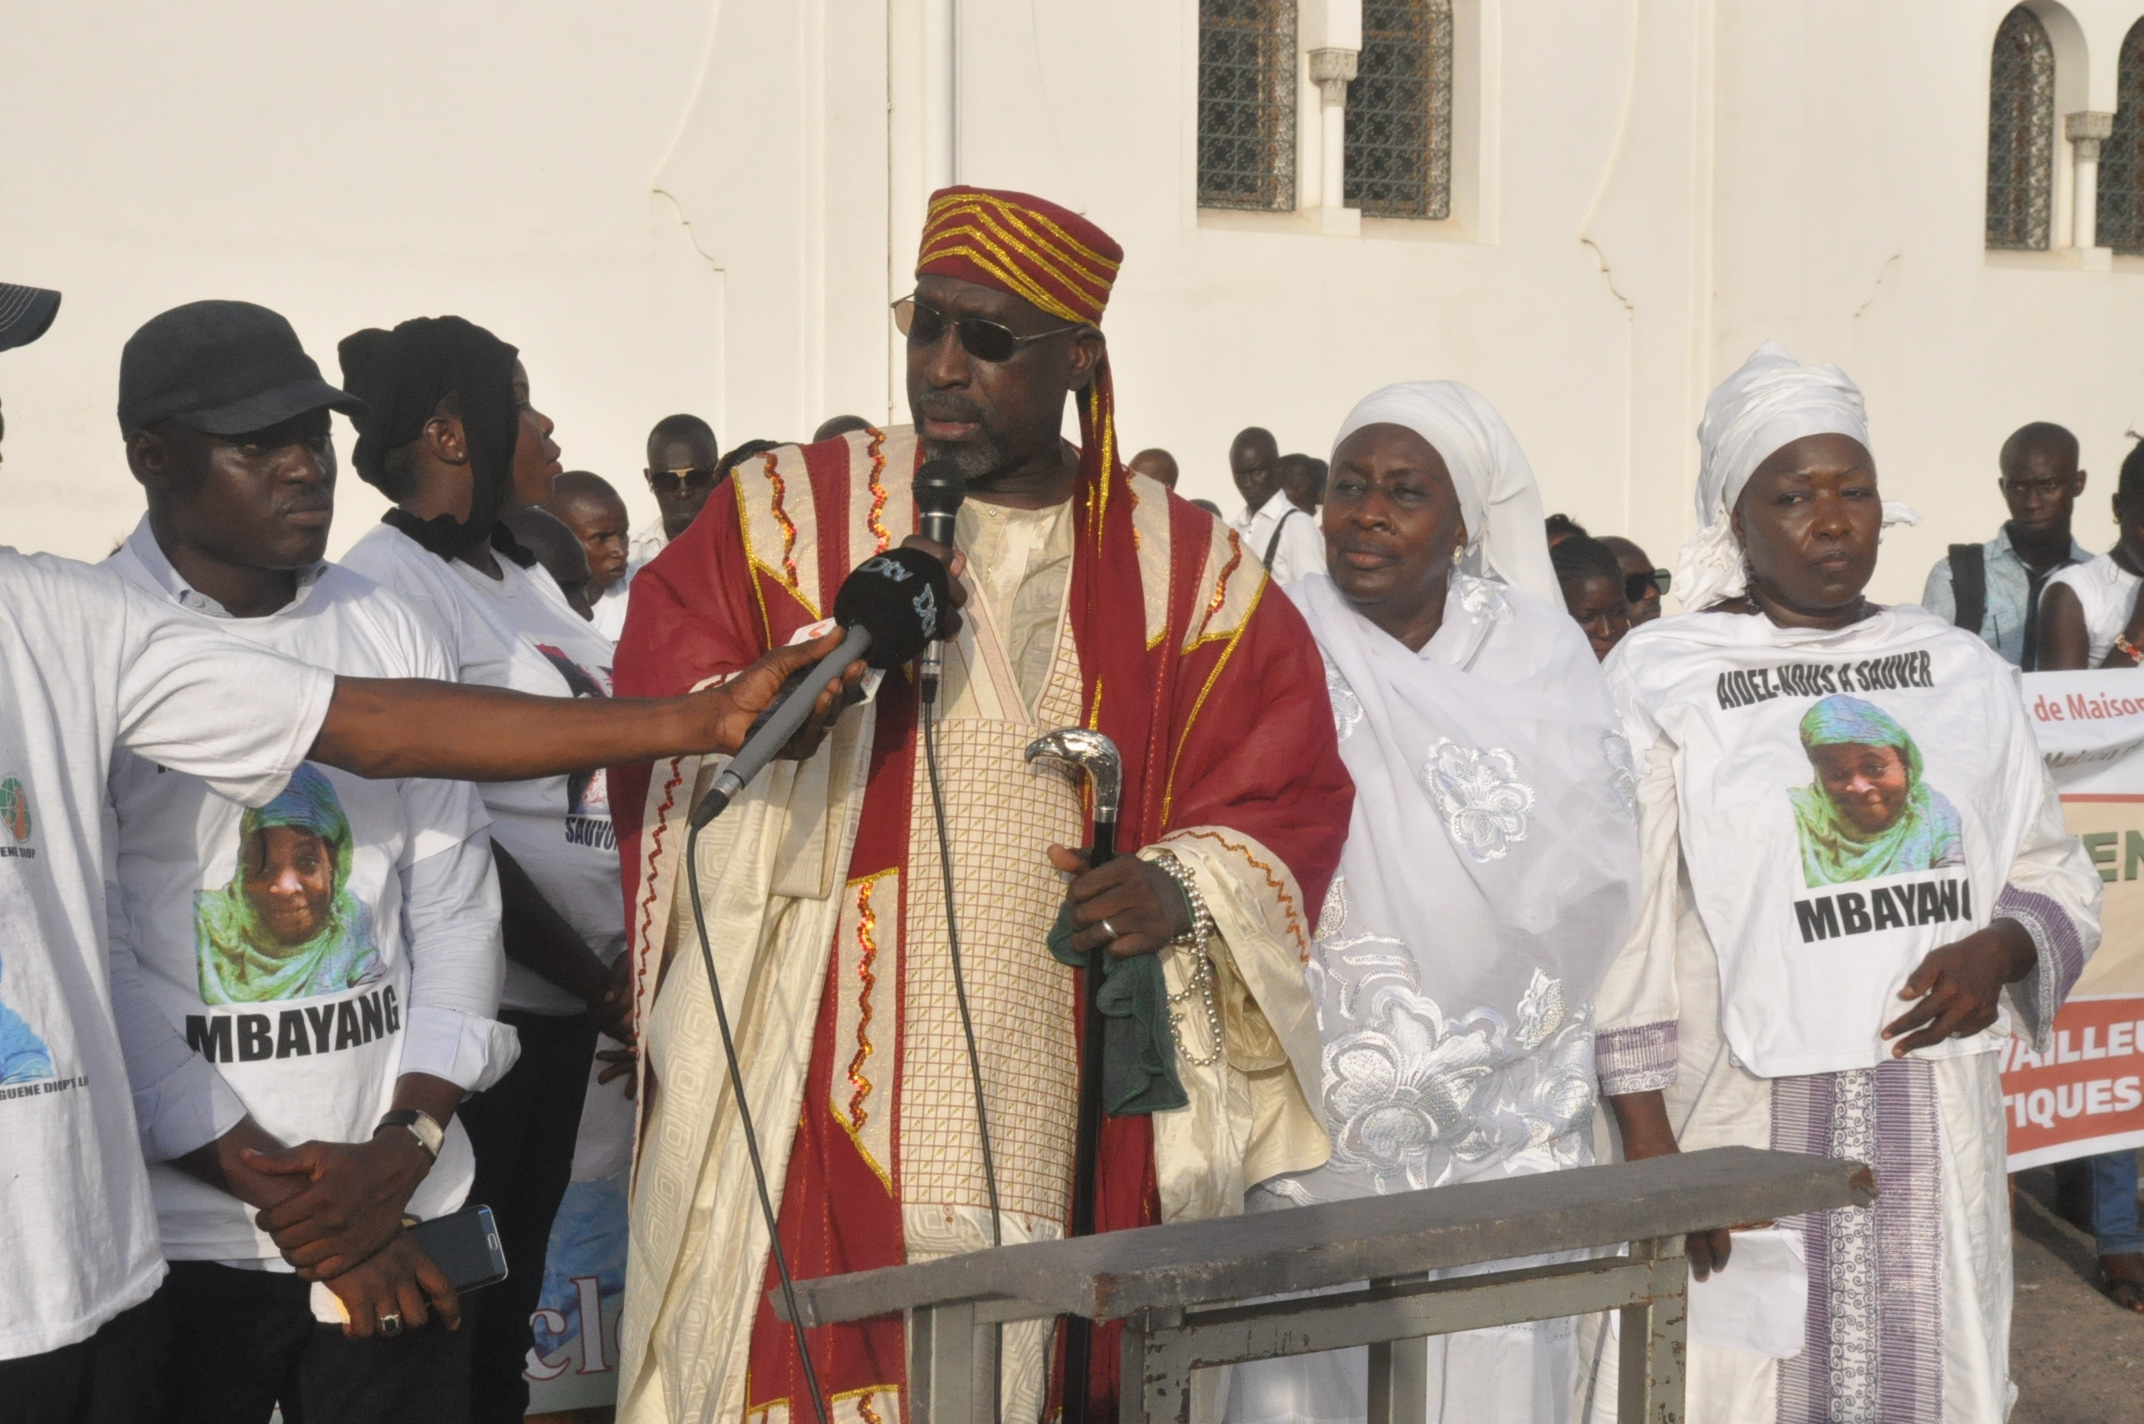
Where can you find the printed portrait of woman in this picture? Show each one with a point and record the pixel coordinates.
(1868, 813)
(23, 1055)
(286, 926)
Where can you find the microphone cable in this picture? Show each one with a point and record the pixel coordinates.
(940, 488)
(928, 699)
(751, 1137)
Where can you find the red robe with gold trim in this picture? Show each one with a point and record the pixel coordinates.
(1172, 644)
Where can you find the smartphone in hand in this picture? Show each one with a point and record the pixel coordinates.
(465, 1246)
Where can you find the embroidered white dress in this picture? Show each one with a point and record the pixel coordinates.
(1490, 872)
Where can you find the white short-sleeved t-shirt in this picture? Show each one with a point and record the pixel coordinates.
(1300, 548)
(609, 607)
(92, 665)
(517, 633)
(1849, 799)
(2108, 593)
(275, 939)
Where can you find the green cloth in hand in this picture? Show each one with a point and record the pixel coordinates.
(1138, 1045)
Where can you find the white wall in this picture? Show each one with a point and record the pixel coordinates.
(1850, 226)
(686, 205)
(348, 166)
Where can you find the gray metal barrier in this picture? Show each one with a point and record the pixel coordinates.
(1179, 1288)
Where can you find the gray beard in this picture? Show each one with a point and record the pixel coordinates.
(976, 463)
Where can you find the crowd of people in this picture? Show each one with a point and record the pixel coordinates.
(1440, 831)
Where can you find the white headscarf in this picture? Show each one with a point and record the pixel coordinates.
(1497, 496)
(1771, 402)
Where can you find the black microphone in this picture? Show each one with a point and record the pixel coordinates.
(939, 489)
(891, 606)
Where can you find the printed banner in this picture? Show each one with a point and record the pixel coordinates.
(574, 1364)
(2087, 1096)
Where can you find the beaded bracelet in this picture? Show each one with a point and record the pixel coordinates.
(1196, 939)
(2128, 649)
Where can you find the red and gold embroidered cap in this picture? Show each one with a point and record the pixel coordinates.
(1018, 243)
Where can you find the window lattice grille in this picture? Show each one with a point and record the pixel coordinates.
(2121, 157)
(1247, 85)
(1399, 111)
(2021, 133)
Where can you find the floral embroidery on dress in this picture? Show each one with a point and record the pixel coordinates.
(1540, 1011)
(1335, 952)
(1486, 807)
(1476, 594)
(1622, 769)
(1347, 707)
(1415, 1099)
(1332, 915)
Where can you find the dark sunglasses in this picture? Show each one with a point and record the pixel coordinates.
(1635, 585)
(925, 325)
(692, 477)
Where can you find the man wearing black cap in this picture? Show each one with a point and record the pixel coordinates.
(449, 434)
(341, 896)
(91, 665)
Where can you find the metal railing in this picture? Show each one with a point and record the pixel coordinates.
(1383, 1266)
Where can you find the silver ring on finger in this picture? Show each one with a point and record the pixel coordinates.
(391, 1324)
(1109, 929)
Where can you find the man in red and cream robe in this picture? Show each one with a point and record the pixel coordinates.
(1119, 607)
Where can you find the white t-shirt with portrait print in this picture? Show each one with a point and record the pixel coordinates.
(282, 941)
(92, 665)
(516, 632)
(1848, 800)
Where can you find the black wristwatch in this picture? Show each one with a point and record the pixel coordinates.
(422, 1126)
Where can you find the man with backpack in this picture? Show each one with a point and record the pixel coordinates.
(1994, 588)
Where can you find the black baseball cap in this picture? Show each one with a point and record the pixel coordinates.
(25, 313)
(222, 368)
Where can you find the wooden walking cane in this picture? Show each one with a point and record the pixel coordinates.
(1096, 756)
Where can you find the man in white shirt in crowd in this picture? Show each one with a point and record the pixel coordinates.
(1280, 535)
(449, 434)
(331, 959)
(683, 456)
(1303, 477)
(586, 504)
(92, 664)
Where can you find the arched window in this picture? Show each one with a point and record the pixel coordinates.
(1247, 86)
(2121, 157)
(2021, 133)
(1399, 111)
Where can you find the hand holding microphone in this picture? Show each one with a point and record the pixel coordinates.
(888, 608)
(737, 708)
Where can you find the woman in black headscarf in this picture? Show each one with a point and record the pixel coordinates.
(451, 438)
(450, 435)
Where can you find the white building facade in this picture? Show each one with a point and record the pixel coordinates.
(1590, 211)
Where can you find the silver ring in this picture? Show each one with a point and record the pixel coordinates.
(391, 1324)
(1109, 929)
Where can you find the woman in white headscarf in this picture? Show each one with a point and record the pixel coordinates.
(1489, 873)
(1857, 883)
